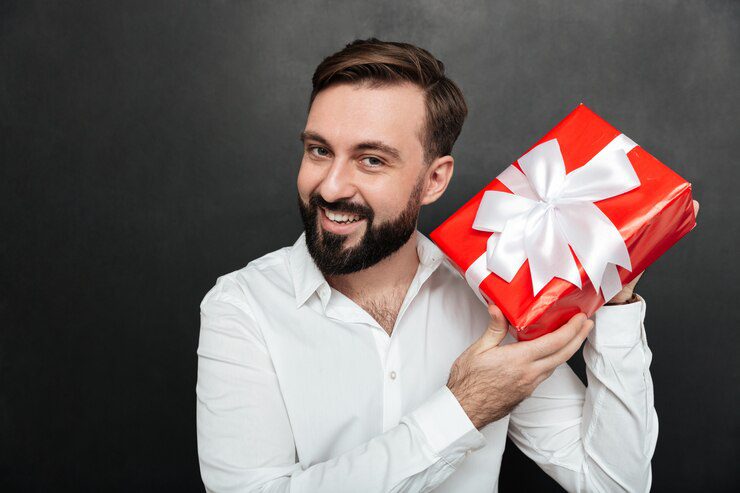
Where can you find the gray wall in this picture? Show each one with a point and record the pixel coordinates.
(149, 147)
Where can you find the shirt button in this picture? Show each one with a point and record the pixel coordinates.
(468, 452)
(393, 375)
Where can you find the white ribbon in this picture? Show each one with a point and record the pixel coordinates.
(549, 211)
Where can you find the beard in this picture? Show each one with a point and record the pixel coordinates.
(378, 242)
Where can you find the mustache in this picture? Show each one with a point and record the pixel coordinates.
(341, 207)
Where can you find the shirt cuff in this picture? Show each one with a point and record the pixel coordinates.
(446, 427)
(618, 325)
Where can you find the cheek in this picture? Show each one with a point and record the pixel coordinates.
(307, 181)
(386, 199)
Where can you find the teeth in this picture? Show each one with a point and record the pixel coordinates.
(348, 218)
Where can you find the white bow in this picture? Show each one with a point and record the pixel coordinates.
(550, 210)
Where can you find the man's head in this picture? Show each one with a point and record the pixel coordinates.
(381, 124)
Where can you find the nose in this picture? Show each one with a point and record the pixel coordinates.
(339, 181)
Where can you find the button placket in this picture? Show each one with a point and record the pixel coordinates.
(392, 398)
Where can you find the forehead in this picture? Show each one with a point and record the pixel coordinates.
(349, 113)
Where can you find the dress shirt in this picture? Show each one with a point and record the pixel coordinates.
(299, 389)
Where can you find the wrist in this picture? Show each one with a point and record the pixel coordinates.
(633, 298)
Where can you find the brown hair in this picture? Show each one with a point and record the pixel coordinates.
(378, 63)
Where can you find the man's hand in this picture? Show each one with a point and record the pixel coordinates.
(490, 380)
(626, 292)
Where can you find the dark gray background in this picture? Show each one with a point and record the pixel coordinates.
(149, 147)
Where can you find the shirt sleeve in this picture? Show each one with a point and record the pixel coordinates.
(600, 437)
(244, 434)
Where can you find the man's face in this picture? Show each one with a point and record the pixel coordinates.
(362, 157)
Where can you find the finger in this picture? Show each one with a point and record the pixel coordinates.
(633, 282)
(564, 354)
(550, 343)
(696, 208)
(496, 330)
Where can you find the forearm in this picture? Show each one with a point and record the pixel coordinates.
(414, 456)
(600, 437)
(620, 425)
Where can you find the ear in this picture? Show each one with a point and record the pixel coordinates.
(437, 177)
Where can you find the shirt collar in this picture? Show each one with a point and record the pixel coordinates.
(307, 277)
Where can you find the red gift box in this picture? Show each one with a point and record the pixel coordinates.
(650, 217)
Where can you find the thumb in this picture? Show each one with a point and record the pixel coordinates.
(496, 330)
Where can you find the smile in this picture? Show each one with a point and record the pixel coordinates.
(339, 223)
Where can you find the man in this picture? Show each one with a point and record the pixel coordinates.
(358, 360)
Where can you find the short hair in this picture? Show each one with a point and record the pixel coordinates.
(377, 63)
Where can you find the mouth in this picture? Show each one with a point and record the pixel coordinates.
(341, 224)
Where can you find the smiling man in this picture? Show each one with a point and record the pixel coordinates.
(357, 359)
(360, 189)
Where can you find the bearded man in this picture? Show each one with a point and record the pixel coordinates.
(359, 360)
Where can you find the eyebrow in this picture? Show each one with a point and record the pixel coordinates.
(372, 145)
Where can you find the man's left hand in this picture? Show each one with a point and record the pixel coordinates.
(626, 293)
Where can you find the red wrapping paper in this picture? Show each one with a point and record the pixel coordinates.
(650, 219)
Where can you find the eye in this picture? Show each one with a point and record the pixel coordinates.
(377, 163)
(313, 148)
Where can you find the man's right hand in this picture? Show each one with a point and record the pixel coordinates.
(490, 380)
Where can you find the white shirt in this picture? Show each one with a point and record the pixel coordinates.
(301, 390)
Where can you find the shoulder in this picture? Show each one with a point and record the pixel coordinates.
(449, 286)
(240, 285)
(228, 320)
(454, 286)
(459, 297)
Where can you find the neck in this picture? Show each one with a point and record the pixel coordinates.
(395, 271)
